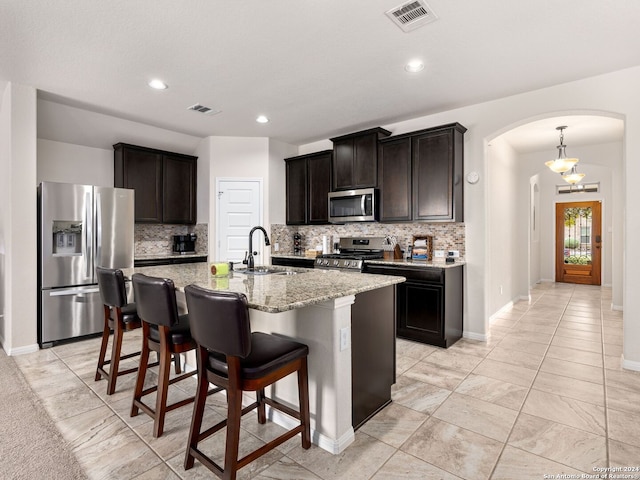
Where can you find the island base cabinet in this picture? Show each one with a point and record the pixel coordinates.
(373, 352)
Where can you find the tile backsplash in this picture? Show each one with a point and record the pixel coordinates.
(157, 239)
(446, 236)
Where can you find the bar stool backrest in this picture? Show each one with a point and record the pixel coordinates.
(155, 299)
(112, 287)
(219, 320)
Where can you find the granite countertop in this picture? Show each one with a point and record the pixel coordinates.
(416, 263)
(276, 292)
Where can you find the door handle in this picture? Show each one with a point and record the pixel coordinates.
(598, 239)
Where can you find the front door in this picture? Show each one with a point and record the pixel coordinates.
(578, 242)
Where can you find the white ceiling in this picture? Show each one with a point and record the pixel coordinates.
(316, 68)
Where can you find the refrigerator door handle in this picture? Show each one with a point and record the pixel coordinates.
(88, 237)
(98, 256)
(73, 291)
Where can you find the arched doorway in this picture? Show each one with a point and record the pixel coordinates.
(522, 193)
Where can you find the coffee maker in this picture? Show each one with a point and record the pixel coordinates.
(184, 243)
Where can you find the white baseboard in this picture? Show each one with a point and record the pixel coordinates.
(22, 350)
(617, 308)
(332, 446)
(630, 364)
(476, 336)
(506, 306)
(547, 280)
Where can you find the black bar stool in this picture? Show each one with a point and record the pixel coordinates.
(231, 356)
(120, 317)
(165, 332)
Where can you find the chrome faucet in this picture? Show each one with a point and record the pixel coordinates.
(249, 259)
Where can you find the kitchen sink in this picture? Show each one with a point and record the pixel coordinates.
(265, 271)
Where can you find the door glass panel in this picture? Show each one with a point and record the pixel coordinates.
(67, 238)
(577, 235)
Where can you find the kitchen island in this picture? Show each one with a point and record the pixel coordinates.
(315, 307)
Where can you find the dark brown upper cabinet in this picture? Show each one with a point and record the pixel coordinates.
(420, 175)
(308, 183)
(355, 159)
(164, 182)
(394, 180)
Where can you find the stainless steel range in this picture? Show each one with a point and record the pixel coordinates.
(353, 252)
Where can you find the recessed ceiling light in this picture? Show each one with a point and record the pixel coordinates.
(262, 119)
(158, 84)
(414, 66)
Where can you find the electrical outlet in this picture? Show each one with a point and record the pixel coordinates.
(344, 338)
(276, 247)
(454, 253)
(500, 289)
(439, 253)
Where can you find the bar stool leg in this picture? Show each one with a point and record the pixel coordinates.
(105, 340)
(116, 348)
(262, 414)
(198, 409)
(142, 370)
(163, 384)
(234, 399)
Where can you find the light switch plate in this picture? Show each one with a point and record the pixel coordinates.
(439, 253)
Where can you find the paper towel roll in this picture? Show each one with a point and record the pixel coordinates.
(326, 244)
(219, 269)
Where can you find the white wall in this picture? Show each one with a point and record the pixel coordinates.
(69, 163)
(507, 249)
(19, 218)
(76, 126)
(203, 153)
(5, 168)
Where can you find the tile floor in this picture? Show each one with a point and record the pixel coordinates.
(546, 395)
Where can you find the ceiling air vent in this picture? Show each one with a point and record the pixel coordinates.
(411, 15)
(202, 109)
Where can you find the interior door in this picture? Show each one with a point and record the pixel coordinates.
(239, 210)
(579, 242)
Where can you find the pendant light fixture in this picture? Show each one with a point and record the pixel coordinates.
(562, 163)
(572, 176)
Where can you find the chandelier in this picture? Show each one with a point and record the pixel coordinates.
(564, 165)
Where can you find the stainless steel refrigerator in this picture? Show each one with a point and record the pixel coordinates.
(80, 227)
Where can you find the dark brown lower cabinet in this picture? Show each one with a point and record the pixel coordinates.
(302, 262)
(429, 303)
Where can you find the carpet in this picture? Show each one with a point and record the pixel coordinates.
(31, 446)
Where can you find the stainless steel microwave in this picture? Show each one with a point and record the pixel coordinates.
(353, 206)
